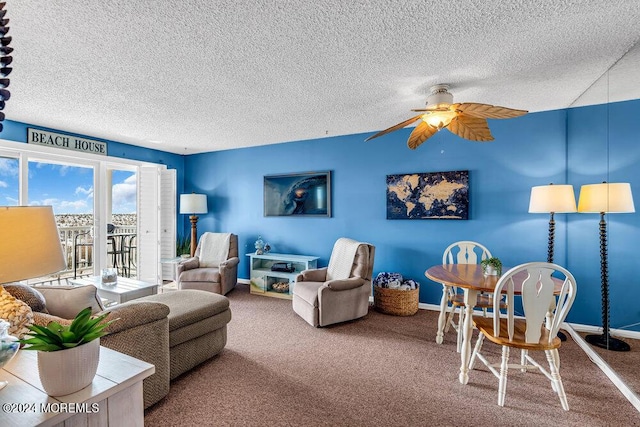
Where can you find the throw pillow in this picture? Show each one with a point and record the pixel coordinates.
(29, 295)
(68, 301)
(16, 312)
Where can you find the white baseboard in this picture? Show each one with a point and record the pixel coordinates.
(577, 326)
(604, 366)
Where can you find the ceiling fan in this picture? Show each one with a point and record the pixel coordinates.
(467, 120)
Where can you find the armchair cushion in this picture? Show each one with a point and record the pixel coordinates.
(210, 274)
(189, 264)
(345, 284)
(312, 275)
(67, 301)
(308, 292)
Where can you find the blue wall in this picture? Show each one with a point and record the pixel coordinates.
(576, 146)
(565, 146)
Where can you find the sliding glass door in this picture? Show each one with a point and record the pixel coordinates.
(103, 216)
(69, 189)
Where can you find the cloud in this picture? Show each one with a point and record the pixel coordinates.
(84, 191)
(8, 167)
(78, 205)
(4, 184)
(64, 206)
(124, 195)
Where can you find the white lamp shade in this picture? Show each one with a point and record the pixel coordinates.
(606, 197)
(193, 203)
(29, 243)
(552, 198)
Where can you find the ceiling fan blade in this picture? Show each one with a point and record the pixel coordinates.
(396, 127)
(486, 111)
(471, 128)
(420, 134)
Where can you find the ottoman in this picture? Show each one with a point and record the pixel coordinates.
(197, 327)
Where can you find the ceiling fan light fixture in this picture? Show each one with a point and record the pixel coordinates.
(440, 97)
(467, 120)
(439, 119)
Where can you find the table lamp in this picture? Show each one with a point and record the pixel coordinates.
(606, 198)
(552, 199)
(193, 204)
(29, 247)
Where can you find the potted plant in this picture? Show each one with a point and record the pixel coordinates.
(183, 247)
(68, 355)
(492, 266)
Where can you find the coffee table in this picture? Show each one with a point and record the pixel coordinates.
(126, 289)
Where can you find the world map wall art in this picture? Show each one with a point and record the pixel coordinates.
(432, 195)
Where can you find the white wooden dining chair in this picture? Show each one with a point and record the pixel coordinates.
(462, 252)
(537, 331)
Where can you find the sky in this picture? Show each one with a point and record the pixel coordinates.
(69, 189)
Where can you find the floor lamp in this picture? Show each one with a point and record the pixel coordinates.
(606, 198)
(552, 199)
(192, 204)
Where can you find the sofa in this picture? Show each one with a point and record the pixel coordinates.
(174, 331)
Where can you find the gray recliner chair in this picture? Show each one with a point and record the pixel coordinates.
(340, 291)
(192, 274)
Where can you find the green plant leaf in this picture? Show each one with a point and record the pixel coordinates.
(44, 347)
(71, 344)
(56, 337)
(80, 320)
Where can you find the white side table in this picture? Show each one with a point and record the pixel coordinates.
(124, 290)
(114, 398)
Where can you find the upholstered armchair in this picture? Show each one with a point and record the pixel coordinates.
(340, 291)
(214, 267)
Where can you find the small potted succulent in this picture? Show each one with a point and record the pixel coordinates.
(183, 247)
(68, 355)
(492, 266)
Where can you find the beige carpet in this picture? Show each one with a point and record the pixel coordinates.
(381, 370)
(624, 363)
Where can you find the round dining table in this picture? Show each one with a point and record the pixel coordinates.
(471, 278)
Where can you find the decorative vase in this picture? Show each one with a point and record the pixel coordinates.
(259, 245)
(9, 346)
(109, 276)
(490, 270)
(64, 372)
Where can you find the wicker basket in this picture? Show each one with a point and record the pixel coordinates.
(395, 301)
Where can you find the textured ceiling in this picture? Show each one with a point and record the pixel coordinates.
(195, 76)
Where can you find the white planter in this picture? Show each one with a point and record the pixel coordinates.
(490, 270)
(67, 371)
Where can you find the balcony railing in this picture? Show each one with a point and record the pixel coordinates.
(77, 248)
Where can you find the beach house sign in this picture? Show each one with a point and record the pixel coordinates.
(66, 142)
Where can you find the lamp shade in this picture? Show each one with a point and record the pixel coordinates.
(606, 197)
(29, 243)
(193, 203)
(552, 198)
